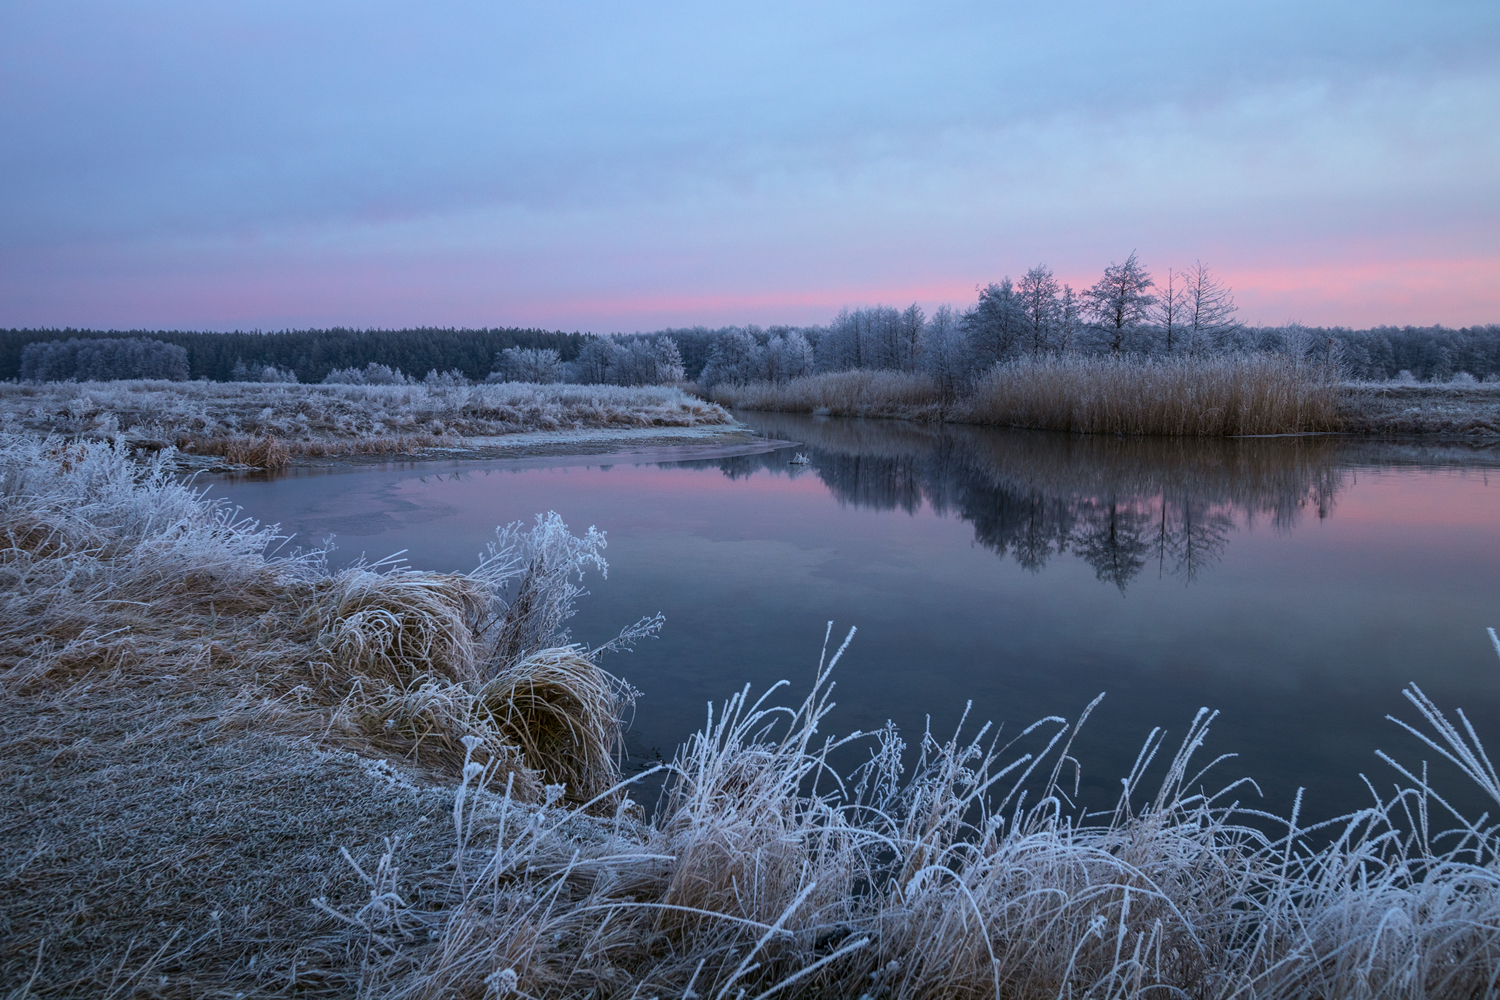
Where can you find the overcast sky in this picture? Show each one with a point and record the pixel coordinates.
(631, 166)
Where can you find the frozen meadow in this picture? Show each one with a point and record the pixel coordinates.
(268, 424)
(232, 771)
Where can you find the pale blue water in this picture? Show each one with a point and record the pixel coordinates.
(1294, 584)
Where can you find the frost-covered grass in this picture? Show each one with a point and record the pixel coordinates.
(1212, 396)
(857, 393)
(1469, 409)
(263, 424)
(228, 774)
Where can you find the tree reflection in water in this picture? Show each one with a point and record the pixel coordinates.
(1122, 505)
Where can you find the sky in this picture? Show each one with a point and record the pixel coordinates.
(620, 167)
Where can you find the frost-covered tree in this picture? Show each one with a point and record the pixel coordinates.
(595, 360)
(788, 355)
(1119, 304)
(276, 373)
(541, 365)
(945, 350)
(995, 325)
(850, 341)
(1038, 293)
(735, 358)
(1068, 310)
(370, 374)
(647, 362)
(441, 380)
(909, 328)
(872, 337)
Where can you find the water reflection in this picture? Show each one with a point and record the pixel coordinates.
(1124, 506)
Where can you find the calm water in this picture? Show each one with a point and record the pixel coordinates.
(1294, 584)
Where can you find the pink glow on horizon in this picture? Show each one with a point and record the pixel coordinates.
(478, 292)
(1453, 292)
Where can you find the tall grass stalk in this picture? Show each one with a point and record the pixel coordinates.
(1198, 397)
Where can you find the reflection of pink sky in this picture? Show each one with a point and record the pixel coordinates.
(1435, 499)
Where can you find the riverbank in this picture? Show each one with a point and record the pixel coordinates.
(234, 774)
(270, 426)
(1437, 410)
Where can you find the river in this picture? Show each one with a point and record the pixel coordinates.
(1293, 584)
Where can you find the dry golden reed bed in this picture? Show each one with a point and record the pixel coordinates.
(1216, 396)
(267, 425)
(234, 775)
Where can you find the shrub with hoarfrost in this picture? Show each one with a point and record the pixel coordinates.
(539, 365)
(370, 374)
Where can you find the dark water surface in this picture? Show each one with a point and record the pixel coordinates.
(1294, 584)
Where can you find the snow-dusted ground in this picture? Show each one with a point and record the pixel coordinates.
(271, 424)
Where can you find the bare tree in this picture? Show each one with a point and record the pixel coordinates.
(1207, 309)
(909, 327)
(1169, 306)
(1068, 309)
(1120, 302)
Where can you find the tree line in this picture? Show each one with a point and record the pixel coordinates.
(1127, 311)
(102, 359)
(311, 355)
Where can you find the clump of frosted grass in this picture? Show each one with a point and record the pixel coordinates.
(970, 875)
(171, 671)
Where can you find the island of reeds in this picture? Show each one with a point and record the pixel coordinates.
(233, 771)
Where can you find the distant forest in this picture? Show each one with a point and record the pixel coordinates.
(1009, 320)
(313, 354)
